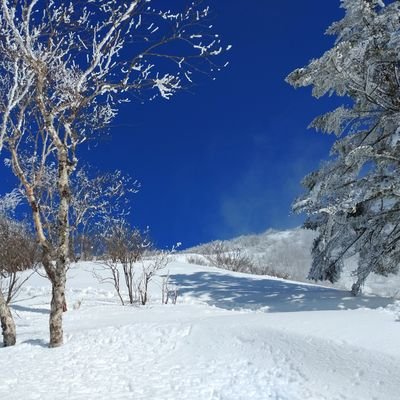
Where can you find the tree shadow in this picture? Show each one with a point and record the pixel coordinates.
(36, 342)
(17, 307)
(270, 295)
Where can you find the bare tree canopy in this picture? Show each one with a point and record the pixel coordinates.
(66, 67)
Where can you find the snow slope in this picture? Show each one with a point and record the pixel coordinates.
(230, 337)
(288, 253)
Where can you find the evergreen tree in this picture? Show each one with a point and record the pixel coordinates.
(353, 200)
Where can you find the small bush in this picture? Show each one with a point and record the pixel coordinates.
(197, 260)
(18, 252)
(131, 262)
(149, 269)
(125, 247)
(270, 271)
(221, 256)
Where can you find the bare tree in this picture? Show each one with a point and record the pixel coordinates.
(124, 247)
(108, 272)
(18, 252)
(65, 67)
(131, 262)
(169, 292)
(150, 267)
(95, 197)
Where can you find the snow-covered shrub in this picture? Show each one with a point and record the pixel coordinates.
(233, 259)
(131, 262)
(168, 292)
(263, 269)
(18, 252)
(158, 260)
(282, 254)
(197, 260)
(124, 248)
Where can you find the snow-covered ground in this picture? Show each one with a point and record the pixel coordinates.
(288, 253)
(231, 336)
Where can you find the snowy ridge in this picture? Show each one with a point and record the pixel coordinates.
(288, 252)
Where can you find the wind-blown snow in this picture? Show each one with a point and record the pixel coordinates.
(230, 337)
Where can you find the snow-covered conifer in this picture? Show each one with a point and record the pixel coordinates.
(353, 200)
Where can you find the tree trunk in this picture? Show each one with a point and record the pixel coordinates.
(58, 280)
(7, 323)
(57, 309)
(361, 278)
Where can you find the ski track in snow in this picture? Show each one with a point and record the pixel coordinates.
(199, 349)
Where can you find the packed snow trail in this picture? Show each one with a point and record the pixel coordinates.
(198, 350)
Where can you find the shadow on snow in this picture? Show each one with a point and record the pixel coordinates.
(17, 307)
(36, 342)
(234, 292)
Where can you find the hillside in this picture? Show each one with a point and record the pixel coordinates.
(287, 253)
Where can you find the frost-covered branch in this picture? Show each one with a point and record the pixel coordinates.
(66, 69)
(353, 199)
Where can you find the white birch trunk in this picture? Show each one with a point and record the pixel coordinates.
(57, 306)
(7, 323)
(59, 278)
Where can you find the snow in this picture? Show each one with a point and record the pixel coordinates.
(231, 336)
(288, 252)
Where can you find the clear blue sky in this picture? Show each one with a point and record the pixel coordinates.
(227, 159)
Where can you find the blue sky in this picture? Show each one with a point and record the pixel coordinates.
(226, 158)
